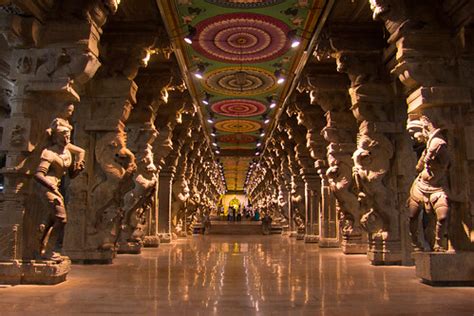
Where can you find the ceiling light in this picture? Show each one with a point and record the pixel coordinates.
(191, 33)
(266, 121)
(210, 120)
(259, 144)
(214, 144)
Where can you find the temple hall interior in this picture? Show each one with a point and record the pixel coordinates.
(232, 157)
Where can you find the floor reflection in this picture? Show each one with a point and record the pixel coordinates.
(236, 275)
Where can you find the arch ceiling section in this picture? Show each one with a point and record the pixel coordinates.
(239, 50)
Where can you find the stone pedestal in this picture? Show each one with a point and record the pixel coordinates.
(34, 272)
(445, 268)
(100, 256)
(165, 238)
(130, 247)
(311, 239)
(329, 243)
(151, 242)
(353, 247)
(384, 253)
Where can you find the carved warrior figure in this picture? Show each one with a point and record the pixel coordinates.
(56, 159)
(429, 191)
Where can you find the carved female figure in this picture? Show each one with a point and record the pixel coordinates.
(56, 160)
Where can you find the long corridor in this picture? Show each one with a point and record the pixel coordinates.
(238, 275)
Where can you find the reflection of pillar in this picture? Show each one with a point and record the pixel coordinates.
(164, 208)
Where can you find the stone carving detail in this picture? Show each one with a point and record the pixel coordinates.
(113, 179)
(429, 192)
(371, 165)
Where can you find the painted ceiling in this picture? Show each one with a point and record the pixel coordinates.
(239, 49)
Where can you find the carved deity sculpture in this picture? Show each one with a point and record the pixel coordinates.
(429, 191)
(56, 159)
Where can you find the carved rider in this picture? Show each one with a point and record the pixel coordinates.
(429, 190)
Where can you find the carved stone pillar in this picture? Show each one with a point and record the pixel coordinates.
(297, 193)
(111, 165)
(428, 62)
(372, 101)
(49, 71)
(164, 206)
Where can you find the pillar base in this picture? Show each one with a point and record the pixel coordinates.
(350, 247)
(445, 268)
(130, 247)
(329, 243)
(165, 238)
(92, 256)
(151, 242)
(34, 272)
(311, 239)
(385, 253)
(292, 234)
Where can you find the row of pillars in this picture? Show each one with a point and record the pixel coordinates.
(147, 168)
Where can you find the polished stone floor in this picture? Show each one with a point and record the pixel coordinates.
(238, 275)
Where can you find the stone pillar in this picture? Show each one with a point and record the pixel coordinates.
(50, 70)
(164, 206)
(111, 165)
(439, 110)
(372, 98)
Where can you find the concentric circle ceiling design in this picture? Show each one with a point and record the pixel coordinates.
(238, 126)
(237, 138)
(234, 50)
(239, 107)
(240, 81)
(242, 38)
(244, 4)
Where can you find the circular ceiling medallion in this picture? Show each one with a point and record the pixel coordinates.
(238, 107)
(241, 38)
(240, 81)
(238, 126)
(237, 138)
(245, 4)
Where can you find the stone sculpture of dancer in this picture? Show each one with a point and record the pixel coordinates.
(429, 191)
(59, 157)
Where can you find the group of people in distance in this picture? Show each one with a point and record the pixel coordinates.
(236, 213)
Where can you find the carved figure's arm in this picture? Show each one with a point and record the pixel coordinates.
(42, 170)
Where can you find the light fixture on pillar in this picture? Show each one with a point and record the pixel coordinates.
(279, 76)
(293, 38)
(191, 33)
(265, 119)
(199, 73)
(206, 98)
(272, 102)
(210, 120)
